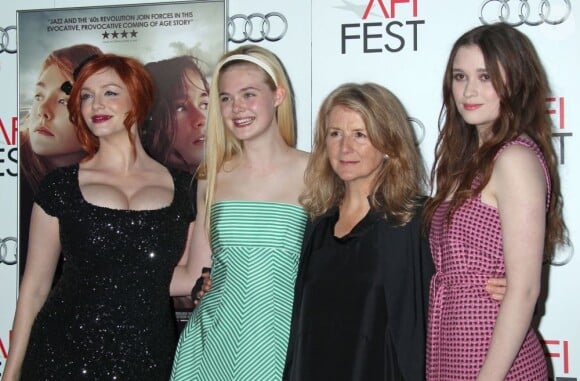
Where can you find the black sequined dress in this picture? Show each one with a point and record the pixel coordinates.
(109, 317)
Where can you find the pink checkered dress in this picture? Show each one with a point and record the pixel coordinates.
(467, 252)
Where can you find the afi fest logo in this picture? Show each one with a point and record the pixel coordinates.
(3, 351)
(557, 111)
(393, 34)
(8, 150)
(528, 12)
(559, 353)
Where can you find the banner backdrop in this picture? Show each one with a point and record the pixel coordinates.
(401, 44)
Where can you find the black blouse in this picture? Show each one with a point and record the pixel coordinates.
(361, 302)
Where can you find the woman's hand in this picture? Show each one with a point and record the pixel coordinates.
(202, 285)
(496, 288)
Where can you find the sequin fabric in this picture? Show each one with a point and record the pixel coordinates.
(109, 317)
(468, 251)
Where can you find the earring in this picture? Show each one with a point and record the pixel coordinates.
(385, 156)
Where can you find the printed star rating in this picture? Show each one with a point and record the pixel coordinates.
(117, 35)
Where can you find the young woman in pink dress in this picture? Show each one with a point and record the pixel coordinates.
(497, 210)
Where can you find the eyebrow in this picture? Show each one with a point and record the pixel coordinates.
(43, 86)
(104, 86)
(478, 70)
(111, 84)
(333, 127)
(241, 90)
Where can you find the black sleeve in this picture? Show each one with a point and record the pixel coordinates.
(427, 268)
(297, 304)
(408, 272)
(51, 195)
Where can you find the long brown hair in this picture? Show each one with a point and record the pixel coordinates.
(522, 111)
(170, 80)
(401, 178)
(140, 89)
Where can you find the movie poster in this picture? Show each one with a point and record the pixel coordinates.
(179, 42)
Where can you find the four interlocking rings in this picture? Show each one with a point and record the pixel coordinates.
(524, 10)
(6, 249)
(255, 27)
(419, 128)
(5, 40)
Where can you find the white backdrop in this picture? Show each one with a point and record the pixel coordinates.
(401, 44)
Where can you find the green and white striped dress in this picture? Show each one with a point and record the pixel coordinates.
(239, 331)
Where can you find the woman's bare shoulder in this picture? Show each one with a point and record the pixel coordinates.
(300, 158)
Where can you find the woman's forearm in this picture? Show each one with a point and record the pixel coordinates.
(512, 325)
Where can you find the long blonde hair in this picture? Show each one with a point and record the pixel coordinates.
(221, 145)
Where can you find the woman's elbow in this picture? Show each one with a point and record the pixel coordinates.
(525, 293)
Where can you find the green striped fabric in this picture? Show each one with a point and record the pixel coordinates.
(240, 329)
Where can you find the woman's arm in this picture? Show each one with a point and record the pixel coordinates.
(41, 261)
(518, 185)
(197, 254)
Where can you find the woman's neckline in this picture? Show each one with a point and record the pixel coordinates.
(84, 200)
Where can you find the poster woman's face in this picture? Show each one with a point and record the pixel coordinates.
(52, 135)
(190, 111)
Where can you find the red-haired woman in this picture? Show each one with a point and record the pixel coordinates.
(120, 219)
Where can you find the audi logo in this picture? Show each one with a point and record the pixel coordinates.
(419, 128)
(9, 251)
(257, 27)
(6, 42)
(563, 256)
(545, 11)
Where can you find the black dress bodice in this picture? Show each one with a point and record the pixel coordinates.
(109, 317)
